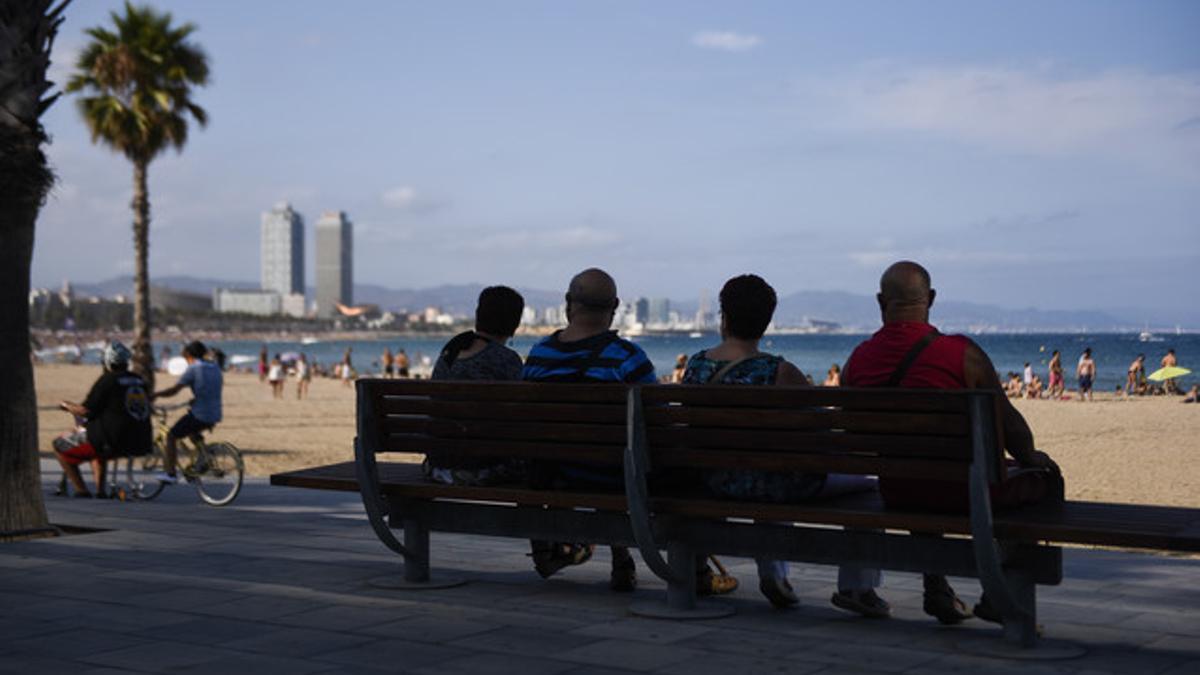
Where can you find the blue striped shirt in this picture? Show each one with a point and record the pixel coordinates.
(601, 358)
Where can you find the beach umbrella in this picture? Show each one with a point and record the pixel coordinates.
(1168, 373)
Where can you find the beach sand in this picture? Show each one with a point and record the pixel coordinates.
(1143, 450)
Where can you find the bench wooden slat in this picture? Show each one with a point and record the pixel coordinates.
(894, 424)
(592, 453)
(846, 398)
(486, 431)
(585, 413)
(739, 458)
(945, 447)
(533, 392)
(1090, 523)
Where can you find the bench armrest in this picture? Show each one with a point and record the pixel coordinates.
(367, 473)
(637, 465)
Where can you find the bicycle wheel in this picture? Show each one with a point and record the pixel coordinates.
(219, 478)
(141, 474)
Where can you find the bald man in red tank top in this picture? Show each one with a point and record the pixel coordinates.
(942, 362)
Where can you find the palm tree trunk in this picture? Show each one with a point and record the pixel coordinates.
(143, 350)
(24, 175)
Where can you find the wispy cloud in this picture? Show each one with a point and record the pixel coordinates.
(1129, 114)
(727, 41)
(565, 239)
(408, 198)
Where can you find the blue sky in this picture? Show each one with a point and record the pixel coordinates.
(1030, 154)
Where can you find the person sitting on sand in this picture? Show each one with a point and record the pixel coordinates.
(480, 354)
(747, 305)
(680, 366)
(833, 378)
(113, 420)
(910, 352)
(1086, 370)
(1135, 375)
(1034, 390)
(1193, 395)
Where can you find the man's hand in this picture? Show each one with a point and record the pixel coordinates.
(1040, 460)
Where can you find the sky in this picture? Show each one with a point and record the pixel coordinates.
(1028, 153)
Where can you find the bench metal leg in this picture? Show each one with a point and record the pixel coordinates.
(681, 602)
(1021, 629)
(417, 574)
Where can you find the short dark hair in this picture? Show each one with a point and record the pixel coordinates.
(195, 349)
(747, 305)
(499, 310)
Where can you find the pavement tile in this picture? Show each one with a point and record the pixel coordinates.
(207, 630)
(492, 664)
(257, 608)
(527, 641)
(429, 629)
(855, 654)
(25, 665)
(297, 642)
(259, 664)
(643, 630)
(393, 655)
(1184, 668)
(642, 656)
(745, 643)
(183, 598)
(724, 664)
(344, 618)
(158, 657)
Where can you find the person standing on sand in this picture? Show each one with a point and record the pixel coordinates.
(1086, 370)
(1027, 376)
(387, 360)
(262, 363)
(1169, 361)
(347, 369)
(1056, 385)
(303, 377)
(275, 377)
(1136, 373)
(401, 363)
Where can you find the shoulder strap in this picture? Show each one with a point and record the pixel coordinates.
(724, 370)
(911, 357)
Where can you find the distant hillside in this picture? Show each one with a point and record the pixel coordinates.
(850, 310)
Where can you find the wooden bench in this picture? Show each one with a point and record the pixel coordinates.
(903, 433)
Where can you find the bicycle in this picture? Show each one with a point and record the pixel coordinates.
(216, 469)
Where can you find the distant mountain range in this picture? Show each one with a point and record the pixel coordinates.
(850, 310)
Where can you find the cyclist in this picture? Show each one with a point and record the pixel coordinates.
(117, 414)
(205, 380)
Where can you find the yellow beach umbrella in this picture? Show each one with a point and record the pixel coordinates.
(1168, 373)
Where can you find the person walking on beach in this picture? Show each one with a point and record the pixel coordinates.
(275, 377)
(1135, 375)
(402, 363)
(303, 377)
(1086, 371)
(387, 360)
(1056, 386)
(910, 352)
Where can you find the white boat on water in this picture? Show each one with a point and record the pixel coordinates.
(1147, 336)
(308, 340)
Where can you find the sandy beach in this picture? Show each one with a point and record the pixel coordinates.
(1134, 451)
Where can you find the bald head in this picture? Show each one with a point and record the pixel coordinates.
(593, 290)
(905, 293)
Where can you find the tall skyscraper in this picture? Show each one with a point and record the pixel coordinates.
(335, 262)
(283, 250)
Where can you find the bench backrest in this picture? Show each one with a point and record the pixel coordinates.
(886, 432)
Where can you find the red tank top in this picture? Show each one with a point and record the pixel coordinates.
(939, 366)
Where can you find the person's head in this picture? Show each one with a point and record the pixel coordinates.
(835, 369)
(194, 351)
(592, 299)
(499, 311)
(1141, 357)
(747, 305)
(681, 361)
(1171, 352)
(1026, 364)
(277, 357)
(905, 293)
(1087, 351)
(116, 356)
(1054, 353)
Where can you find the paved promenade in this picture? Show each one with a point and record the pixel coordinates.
(277, 583)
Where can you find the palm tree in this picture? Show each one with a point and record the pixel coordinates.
(137, 84)
(27, 30)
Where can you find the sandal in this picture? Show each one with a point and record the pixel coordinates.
(866, 603)
(549, 558)
(943, 605)
(779, 592)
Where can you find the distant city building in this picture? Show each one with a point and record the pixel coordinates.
(292, 304)
(335, 263)
(641, 310)
(170, 299)
(658, 312)
(228, 300)
(283, 250)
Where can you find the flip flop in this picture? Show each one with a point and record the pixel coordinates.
(946, 607)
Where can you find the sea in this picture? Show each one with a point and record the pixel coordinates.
(813, 354)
